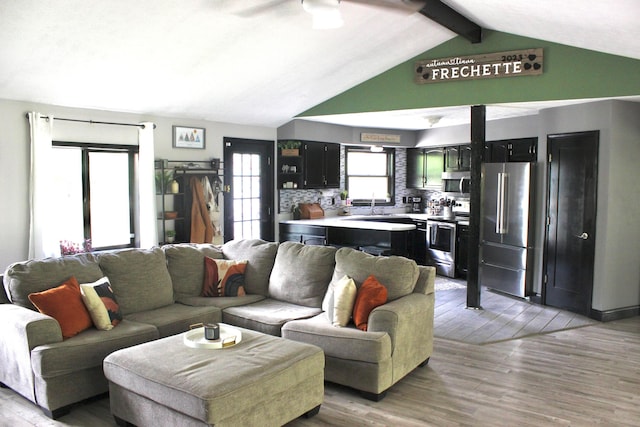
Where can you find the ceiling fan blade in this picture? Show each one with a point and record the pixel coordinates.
(403, 5)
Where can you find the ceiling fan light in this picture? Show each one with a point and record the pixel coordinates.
(325, 13)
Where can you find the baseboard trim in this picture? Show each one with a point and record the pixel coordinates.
(616, 314)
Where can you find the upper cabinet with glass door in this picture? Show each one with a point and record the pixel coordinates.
(425, 167)
(457, 158)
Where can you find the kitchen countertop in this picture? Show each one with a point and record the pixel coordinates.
(354, 222)
(374, 222)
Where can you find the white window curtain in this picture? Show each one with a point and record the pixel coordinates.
(41, 243)
(147, 223)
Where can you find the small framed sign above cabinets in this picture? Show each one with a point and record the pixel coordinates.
(188, 137)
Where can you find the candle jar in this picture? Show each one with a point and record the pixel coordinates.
(211, 331)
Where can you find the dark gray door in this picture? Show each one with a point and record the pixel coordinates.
(570, 241)
(248, 179)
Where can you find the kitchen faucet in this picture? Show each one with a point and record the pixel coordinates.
(373, 204)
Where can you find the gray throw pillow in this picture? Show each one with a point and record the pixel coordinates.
(301, 273)
(139, 278)
(398, 274)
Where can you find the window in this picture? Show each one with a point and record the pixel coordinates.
(246, 195)
(95, 184)
(370, 175)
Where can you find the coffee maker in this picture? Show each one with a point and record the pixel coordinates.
(416, 204)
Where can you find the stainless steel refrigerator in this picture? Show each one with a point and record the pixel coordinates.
(506, 233)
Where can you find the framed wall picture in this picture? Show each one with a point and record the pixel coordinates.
(188, 137)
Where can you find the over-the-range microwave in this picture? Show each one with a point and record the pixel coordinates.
(456, 184)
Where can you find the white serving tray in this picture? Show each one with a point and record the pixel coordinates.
(229, 336)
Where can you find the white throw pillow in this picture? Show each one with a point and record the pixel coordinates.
(339, 300)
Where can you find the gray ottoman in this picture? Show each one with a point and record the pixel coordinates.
(262, 380)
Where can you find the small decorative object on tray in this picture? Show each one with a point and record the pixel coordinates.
(228, 336)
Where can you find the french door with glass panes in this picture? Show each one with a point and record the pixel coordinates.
(248, 179)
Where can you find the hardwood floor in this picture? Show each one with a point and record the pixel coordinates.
(576, 377)
(502, 318)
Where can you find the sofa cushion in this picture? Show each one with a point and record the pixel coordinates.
(101, 303)
(260, 256)
(220, 302)
(347, 343)
(266, 316)
(398, 274)
(185, 262)
(301, 273)
(223, 278)
(176, 318)
(64, 303)
(139, 278)
(87, 349)
(24, 278)
(371, 294)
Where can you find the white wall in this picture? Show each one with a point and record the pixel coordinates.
(617, 253)
(14, 154)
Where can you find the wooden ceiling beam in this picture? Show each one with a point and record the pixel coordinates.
(454, 21)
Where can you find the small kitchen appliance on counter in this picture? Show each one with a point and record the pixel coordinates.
(416, 204)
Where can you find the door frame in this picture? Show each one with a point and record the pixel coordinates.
(262, 147)
(545, 259)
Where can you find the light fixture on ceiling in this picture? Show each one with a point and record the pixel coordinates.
(376, 149)
(325, 13)
(433, 120)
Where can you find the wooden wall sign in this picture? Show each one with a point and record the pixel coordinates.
(525, 62)
(379, 137)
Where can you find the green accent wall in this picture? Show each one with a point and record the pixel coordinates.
(569, 73)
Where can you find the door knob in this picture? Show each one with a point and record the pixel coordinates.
(583, 236)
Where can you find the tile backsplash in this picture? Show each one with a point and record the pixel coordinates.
(329, 199)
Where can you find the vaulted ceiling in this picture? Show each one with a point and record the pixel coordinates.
(256, 62)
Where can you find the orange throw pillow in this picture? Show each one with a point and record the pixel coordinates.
(64, 303)
(371, 294)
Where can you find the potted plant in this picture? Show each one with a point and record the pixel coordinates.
(343, 197)
(171, 236)
(163, 181)
(289, 148)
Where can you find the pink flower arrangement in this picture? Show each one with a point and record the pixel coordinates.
(68, 247)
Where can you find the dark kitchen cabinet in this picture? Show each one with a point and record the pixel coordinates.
(420, 242)
(462, 251)
(305, 234)
(321, 165)
(425, 167)
(511, 150)
(457, 158)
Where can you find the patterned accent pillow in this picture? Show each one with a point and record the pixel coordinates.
(64, 303)
(223, 278)
(101, 303)
(371, 294)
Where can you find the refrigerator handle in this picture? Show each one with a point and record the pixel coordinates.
(501, 204)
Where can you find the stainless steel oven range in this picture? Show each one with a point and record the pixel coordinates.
(441, 246)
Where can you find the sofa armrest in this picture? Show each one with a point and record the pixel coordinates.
(22, 330)
(405, 319)
(409, 323)
(426, 280)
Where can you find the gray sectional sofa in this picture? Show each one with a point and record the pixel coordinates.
(158, 291)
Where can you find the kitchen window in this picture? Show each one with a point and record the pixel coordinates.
(95, 187)
(370, 175)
